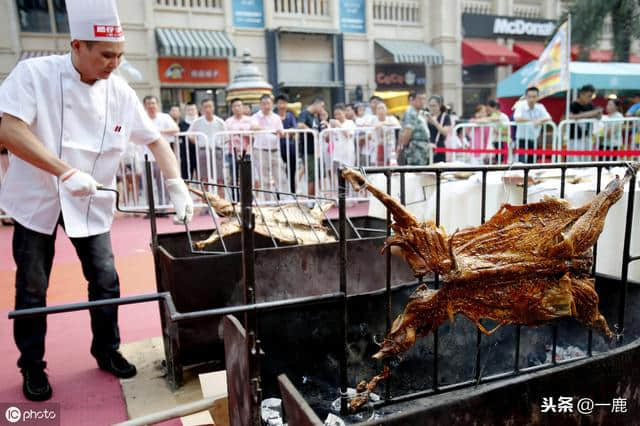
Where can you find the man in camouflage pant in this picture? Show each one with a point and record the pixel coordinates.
(413, 146)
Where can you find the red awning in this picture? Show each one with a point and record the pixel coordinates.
(481, 51)
(634, 59)
(528, 51)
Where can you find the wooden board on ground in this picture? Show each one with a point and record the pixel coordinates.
(214, 385)
(148, 391)
(203, 418)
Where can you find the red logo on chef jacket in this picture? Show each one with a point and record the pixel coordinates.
(110, 31)
(117, 129)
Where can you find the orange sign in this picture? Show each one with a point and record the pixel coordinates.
(191, 70)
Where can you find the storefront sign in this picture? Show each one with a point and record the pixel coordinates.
(394, 76)
(192, 70)
(248, 14)
(352, 16)
(491, 26)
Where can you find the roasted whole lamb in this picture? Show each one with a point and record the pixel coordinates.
(527, 265)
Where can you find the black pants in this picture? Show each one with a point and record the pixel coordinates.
(188, 153)
(501, 158)
(525, 144)
(439, 157)
(33, 253)
(291, 148)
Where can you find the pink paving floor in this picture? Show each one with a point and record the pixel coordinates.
(86, 395)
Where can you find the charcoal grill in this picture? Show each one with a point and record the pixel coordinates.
(213, 278)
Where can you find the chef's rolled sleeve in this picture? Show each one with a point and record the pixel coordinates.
(143, 131)
(17, 96)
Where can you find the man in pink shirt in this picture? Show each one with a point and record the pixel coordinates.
(237, 144)
(238, 122)
(269, 170)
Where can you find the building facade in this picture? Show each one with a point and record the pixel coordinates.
(184, 50)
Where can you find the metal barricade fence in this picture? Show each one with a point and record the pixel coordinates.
(597, 140)
(576, 135)
(283, 161)
(500, 143)
(131, 179)
(533, 143)
(305, 162)
(478, 143)
(356, 147)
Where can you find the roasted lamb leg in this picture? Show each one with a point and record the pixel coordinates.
(527, 265)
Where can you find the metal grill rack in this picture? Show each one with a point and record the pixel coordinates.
(280, 201)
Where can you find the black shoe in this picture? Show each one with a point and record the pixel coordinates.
(114, 363)
(35, 384)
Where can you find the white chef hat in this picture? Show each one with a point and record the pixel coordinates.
(94, 20)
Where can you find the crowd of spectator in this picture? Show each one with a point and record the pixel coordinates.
(365, 134)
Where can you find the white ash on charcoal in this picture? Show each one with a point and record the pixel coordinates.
(271, 412)
(563, 353)
(333, 420)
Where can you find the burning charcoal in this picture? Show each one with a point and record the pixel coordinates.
(333, 420)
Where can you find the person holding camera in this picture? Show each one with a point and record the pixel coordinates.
(439, 124)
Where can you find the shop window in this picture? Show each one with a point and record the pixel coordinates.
(479, 74)
(60, 13)
(42, 16)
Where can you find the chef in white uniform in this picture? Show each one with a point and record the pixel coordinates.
(66, 120)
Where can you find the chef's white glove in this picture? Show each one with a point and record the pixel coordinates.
(181, 199)
(78, 183)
